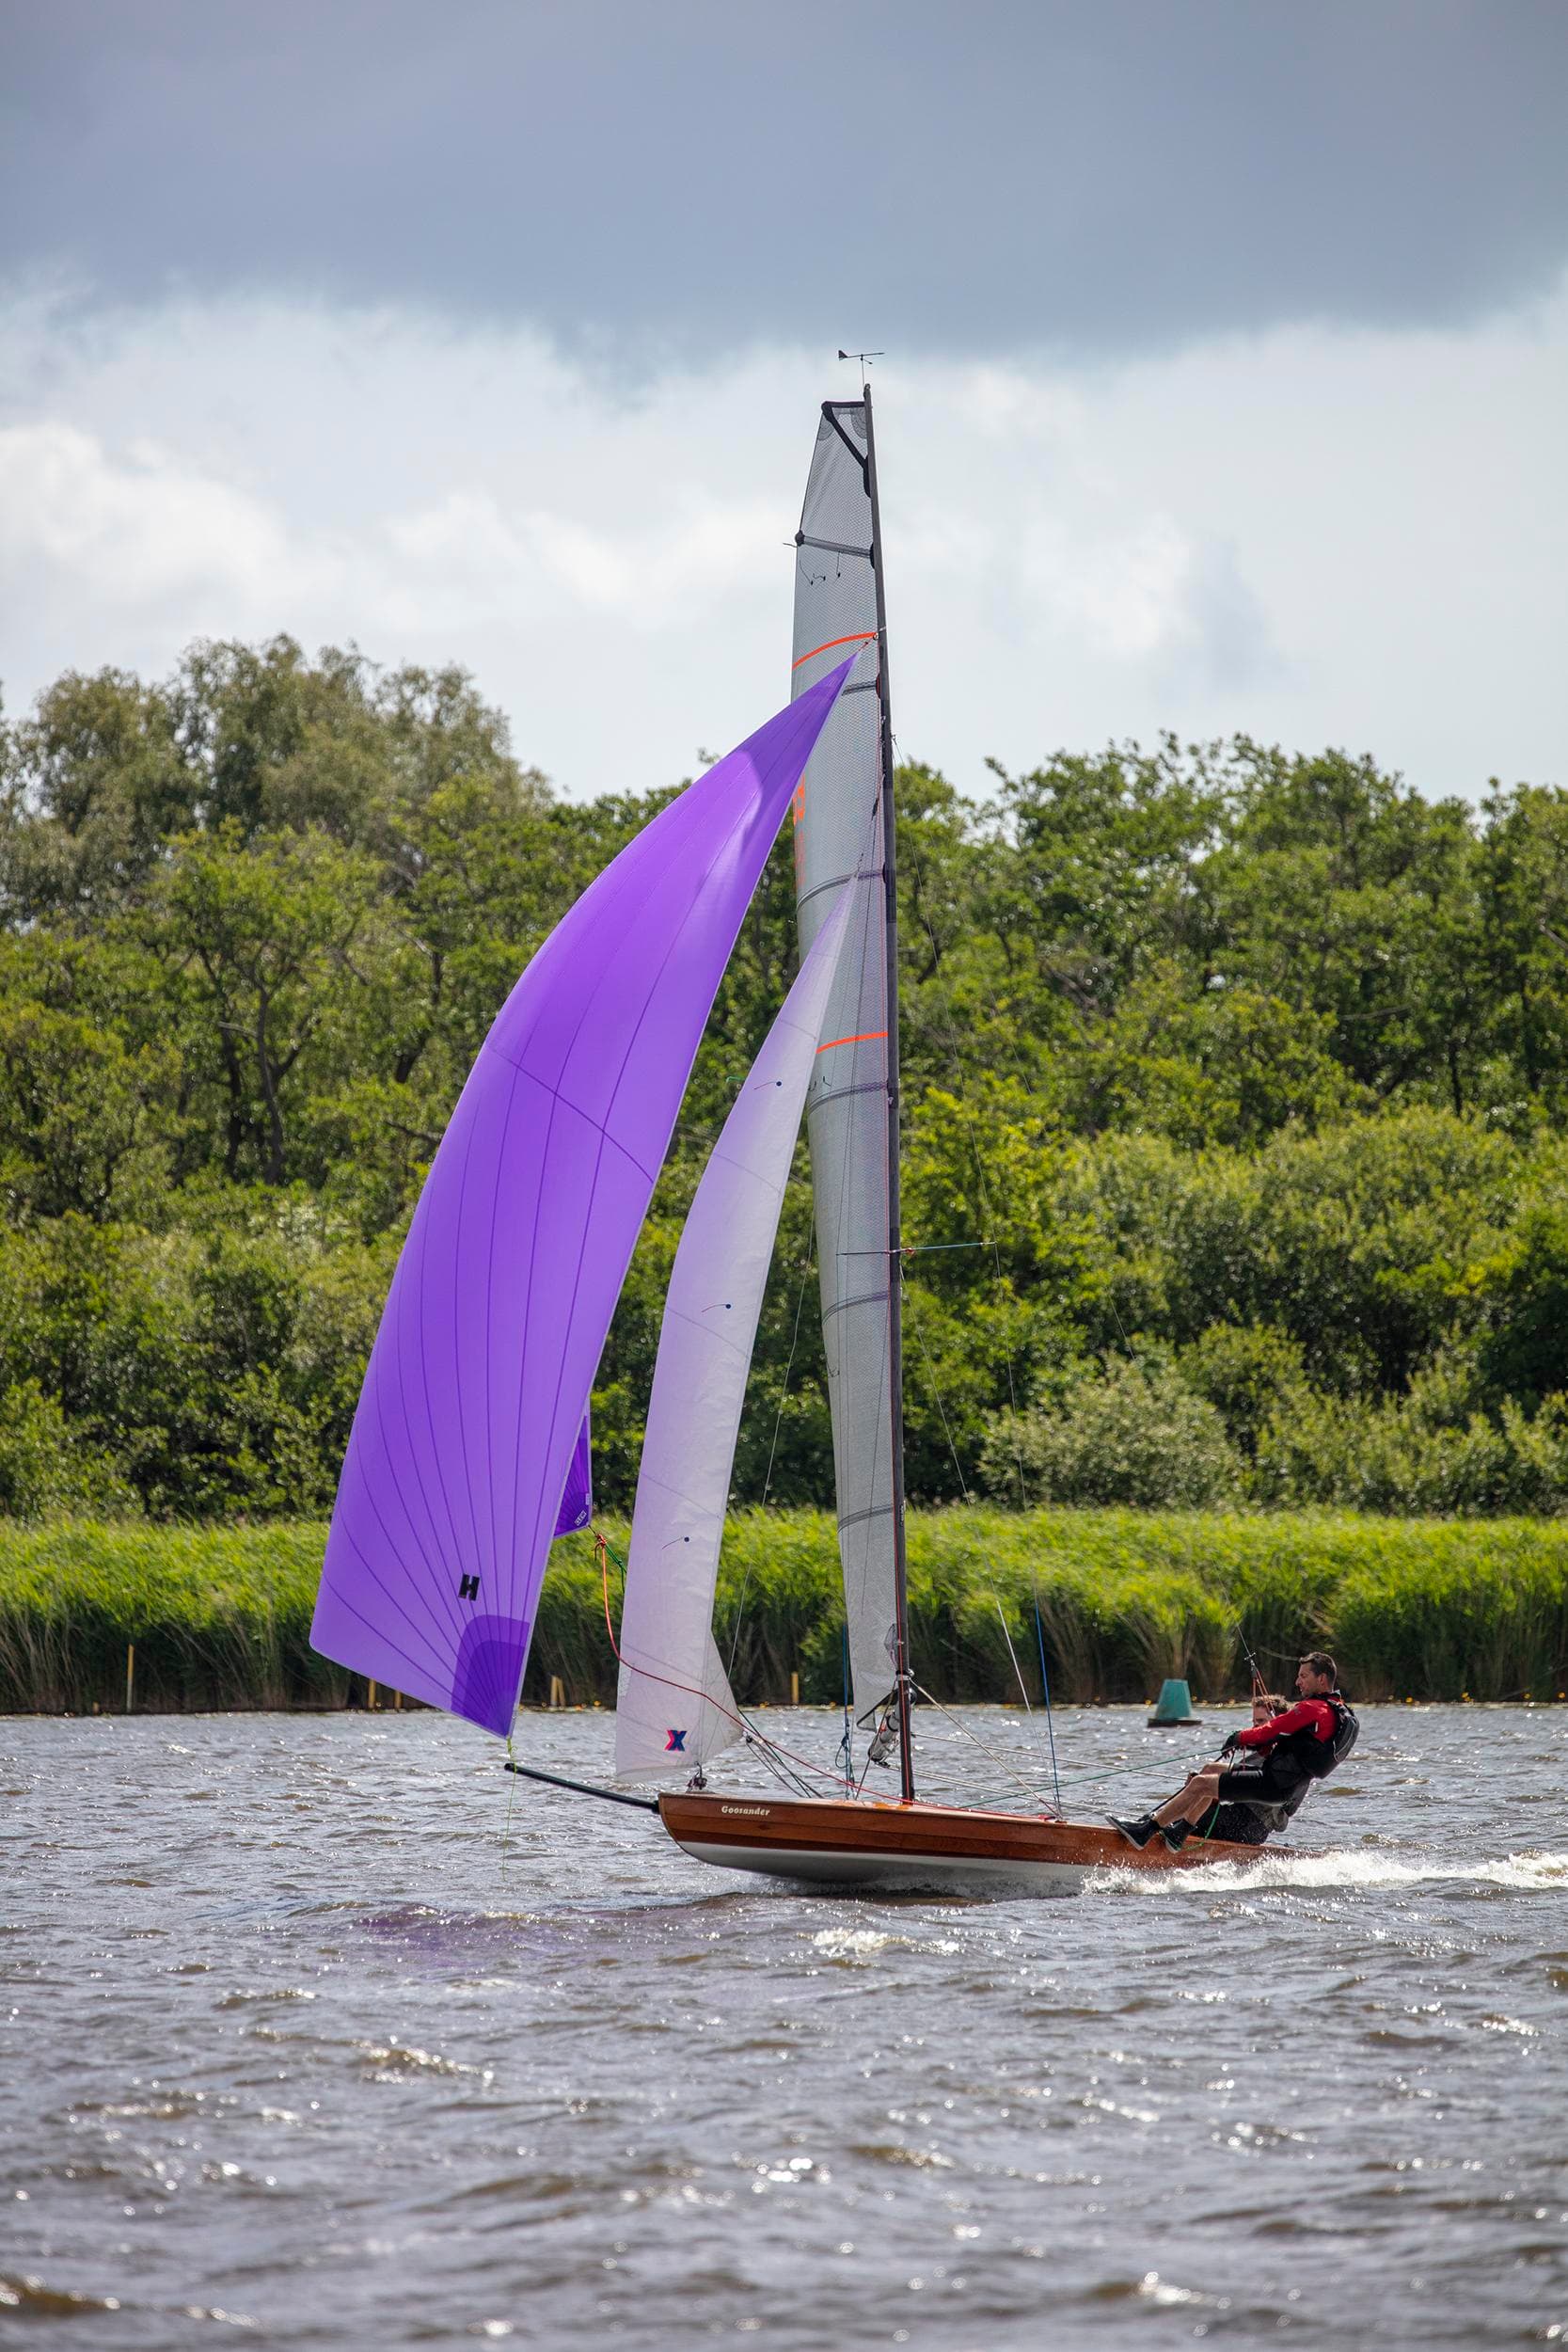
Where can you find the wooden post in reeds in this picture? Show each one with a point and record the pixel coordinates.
(130, 1675)
(370, 1697)
(795, 1688)
(557, 1691)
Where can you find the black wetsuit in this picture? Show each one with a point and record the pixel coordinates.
(1280, 1761)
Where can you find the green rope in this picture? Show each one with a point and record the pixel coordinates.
(511, 1792)
(1112, 1772)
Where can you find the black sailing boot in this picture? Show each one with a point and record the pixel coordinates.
(1177, 1835)
(1137, 1833)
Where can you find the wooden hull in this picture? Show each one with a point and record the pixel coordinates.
(836, 1841)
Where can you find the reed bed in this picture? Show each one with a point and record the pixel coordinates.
(219, 1616)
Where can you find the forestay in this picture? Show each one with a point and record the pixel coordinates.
(675, 1708)
(498, 1309)
(836, 817)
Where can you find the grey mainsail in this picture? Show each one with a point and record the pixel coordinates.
(851, 1108)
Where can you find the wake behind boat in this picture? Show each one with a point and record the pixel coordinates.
(469, 1451)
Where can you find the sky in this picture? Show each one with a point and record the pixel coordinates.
(1225, 359)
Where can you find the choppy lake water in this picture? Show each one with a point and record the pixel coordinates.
(296, 2054)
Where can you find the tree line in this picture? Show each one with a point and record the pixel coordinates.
(1235, 1166)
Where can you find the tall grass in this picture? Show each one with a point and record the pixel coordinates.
(220, 1615)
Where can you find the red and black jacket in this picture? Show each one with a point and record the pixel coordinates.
(1302, 1745)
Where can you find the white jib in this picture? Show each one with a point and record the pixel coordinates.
(675, 1708)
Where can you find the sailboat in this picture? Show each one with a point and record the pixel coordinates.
(469, 1449)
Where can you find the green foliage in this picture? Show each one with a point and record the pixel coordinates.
(220, 1616)
(1234, 1093)
(1119, 1432)
(45, 1467)
(1250, 1374)
(80, 1126)
(1428, 1451)
(1522, 1297)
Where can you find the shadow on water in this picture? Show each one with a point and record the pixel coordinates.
(554, 1930)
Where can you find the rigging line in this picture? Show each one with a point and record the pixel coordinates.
(688, 1690)
(1000, 1761)
(1045, 1686)
(773, 1448)
(1259, 1688)
(1113, 1772)
(1017, 1058)
(602, 1547)
(783, 1774)
(936, 1396)
(779, 1754)
(506, 1829)
(870, 918)
(1012, 1654)
(915, 1249)
(956, 1065)
(891, 1369)
(779, 1758)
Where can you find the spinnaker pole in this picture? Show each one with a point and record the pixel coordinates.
(894, 1234)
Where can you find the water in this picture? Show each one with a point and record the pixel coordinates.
(293, 2054)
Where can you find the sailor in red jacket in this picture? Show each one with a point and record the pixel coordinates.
(1280, 1758)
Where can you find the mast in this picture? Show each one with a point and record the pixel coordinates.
(842, 814)
(895, 1233)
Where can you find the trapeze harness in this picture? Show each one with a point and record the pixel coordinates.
(1304, 1744)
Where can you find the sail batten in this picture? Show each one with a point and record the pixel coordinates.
(477, 1388)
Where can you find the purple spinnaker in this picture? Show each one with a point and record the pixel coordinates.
(577, 1503)
(478, 1379)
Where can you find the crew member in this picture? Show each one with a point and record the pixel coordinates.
(1282, 1756)
(1243, 1825)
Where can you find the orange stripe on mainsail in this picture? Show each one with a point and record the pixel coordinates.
(860, 637)
(864, 1038)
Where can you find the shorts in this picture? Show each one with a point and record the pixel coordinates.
(1240, 1824)
(1244, 1784)
(1254, 1809)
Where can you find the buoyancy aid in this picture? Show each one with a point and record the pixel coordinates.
(1321, 1755)
(1292, 1763)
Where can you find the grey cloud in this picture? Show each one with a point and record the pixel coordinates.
(1233, 645)
(650, 182)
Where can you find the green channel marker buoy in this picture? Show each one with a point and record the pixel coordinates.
(1174, 1706)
